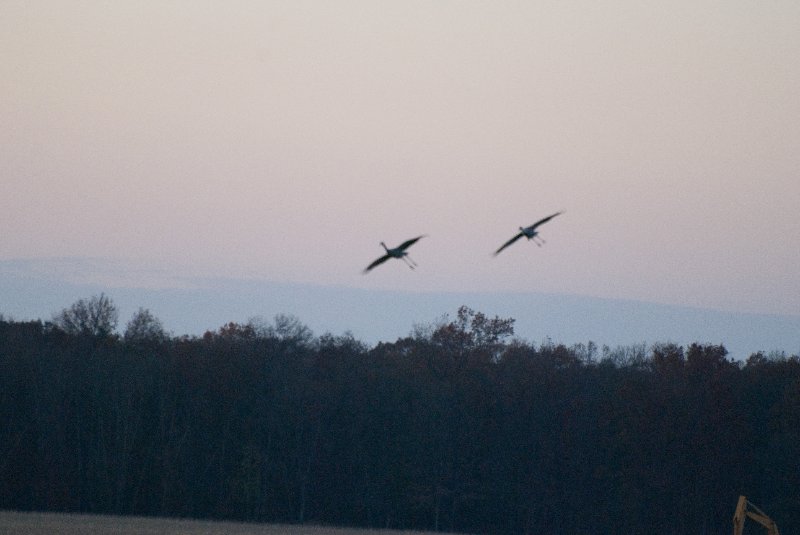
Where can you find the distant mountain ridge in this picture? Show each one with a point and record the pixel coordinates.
(33, 289)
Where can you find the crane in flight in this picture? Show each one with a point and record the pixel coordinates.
(529, 232)
(398, 252)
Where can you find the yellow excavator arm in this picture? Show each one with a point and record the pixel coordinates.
(745, 509)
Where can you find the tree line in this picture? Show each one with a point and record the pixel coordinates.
(459, 427)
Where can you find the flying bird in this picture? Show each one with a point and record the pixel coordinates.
(529, 232)
(397, 252)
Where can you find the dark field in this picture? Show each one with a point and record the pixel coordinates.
(14, 523)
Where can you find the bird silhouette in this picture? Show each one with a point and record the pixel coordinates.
(529, 232)
(397, 252)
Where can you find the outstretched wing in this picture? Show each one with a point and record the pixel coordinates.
(545, 220)
(408, 243)
(377, 262)
(509, 242)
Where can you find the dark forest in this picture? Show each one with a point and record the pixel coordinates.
(457, 427)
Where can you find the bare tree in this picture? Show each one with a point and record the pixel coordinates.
(96, 316)
(144, 327)
(285, 327)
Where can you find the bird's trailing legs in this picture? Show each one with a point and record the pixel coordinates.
(410, 263)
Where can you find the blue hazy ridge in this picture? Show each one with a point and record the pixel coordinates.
(195, 305)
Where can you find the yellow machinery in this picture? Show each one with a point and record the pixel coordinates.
(746, 509)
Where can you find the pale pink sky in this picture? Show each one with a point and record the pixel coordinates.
(285, 140)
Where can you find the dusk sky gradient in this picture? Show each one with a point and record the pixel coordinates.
(284, 140)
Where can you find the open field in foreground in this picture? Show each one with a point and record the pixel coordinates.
(15, 523)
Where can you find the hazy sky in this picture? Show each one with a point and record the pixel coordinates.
(285, 140)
